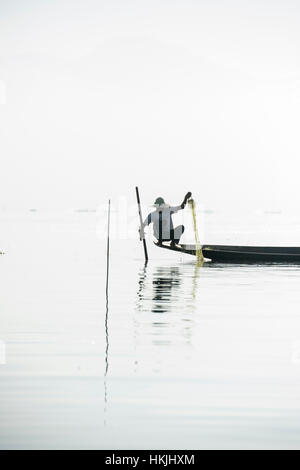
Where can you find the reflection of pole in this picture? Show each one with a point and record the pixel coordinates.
(106, 315)
(142, 235)
(142, 279)
(195, 277)
(139, 307)
(200, 257)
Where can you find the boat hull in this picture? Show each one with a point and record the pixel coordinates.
(242, 254)
(247, 254)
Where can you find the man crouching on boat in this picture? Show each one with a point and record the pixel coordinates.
(162, 221)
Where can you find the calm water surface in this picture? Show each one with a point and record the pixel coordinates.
(186, 357)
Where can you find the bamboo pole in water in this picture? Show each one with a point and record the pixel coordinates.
(107, 277)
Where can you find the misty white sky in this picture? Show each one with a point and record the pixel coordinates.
(198, 95)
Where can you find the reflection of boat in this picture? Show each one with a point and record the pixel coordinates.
(241, 254)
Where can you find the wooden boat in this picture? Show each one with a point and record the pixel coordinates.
(241, 254)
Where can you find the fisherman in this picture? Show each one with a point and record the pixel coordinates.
(162, 221)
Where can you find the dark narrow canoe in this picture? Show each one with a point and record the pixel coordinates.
(242, 254)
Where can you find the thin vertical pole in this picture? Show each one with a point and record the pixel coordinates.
(107, 247)
(107, 277)
(141, 224)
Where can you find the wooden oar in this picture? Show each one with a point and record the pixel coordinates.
(142, 234)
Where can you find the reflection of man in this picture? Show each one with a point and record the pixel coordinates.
(164, 281)
(162, 221)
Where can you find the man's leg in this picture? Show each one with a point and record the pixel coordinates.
(178, 231)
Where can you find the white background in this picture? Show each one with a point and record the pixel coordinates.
(170, 95)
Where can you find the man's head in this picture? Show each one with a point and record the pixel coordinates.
(159, 201)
